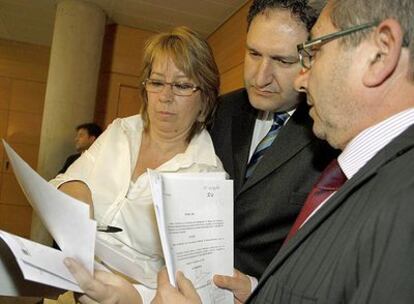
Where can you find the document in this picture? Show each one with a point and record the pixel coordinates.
(40, 263)
(120, 260)
(194, 214)
(67, 220)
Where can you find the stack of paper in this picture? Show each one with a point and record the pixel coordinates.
(194, 215)
(195, 220)
(67, 220)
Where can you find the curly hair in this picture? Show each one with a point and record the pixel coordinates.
(304, 11)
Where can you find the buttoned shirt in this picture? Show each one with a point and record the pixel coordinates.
(107, 167)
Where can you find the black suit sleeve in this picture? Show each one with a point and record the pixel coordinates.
(69, 161)
(388, 276)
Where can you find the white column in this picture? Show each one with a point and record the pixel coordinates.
(71, 86)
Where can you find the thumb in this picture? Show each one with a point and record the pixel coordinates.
(226, 282)
(162, 277)
(186, 287)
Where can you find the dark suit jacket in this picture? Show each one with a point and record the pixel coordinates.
(359, 247)
(69, 161)
(268, 203)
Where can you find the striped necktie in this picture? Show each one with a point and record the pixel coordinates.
(278, 122)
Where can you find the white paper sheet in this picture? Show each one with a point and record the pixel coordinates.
(121, 261)
(195, 218)
(66, 218)
(40, 263)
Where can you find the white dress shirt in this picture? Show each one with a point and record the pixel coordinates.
(262, 126)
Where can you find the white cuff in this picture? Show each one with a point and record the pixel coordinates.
(253, 283)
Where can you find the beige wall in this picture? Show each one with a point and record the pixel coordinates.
(23, 73)
(228, 43)
(121, 64)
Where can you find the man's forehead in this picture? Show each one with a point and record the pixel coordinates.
(277, 31)
(314, 32)
(323, 24)
(83, 131)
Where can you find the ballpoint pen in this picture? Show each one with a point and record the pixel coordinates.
(108, 229)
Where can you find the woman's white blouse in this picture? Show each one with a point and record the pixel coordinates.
(107, 167)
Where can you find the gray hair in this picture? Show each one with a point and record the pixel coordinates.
(346, 13)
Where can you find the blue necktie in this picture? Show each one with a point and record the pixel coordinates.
(278, 122)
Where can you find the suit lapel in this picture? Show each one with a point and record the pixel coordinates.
(242, 132)
(295, 135)
(398, 146)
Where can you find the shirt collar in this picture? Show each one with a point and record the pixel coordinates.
(266, 115)
(200, 150)
(370, 141)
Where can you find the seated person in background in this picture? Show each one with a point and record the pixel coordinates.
(180, 84)
(86, 134)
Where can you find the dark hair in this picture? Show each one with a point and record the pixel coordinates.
(92, 128)
(305, 11)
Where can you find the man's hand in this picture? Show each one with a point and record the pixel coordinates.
(185, 293)
(104, 288)
(239, 284)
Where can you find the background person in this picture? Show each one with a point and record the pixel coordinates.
(86, 134)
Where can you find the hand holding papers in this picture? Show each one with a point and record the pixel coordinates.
(194, 216)
(195, 220)
(66, 219)
(40, 263)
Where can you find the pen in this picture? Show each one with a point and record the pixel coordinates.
(108, 229)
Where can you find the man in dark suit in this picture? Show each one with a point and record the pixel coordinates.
(268, 196)
(356, 245)
(86, 134)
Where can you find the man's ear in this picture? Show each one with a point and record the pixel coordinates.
(387, 39)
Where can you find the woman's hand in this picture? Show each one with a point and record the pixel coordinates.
(80, 191)
(104, 288)
(185, 293)
(239, 284)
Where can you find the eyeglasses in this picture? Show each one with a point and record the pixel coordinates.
(178, 88)
(306, 50)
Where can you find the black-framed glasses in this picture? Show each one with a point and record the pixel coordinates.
(178, 88)
(306, 49)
